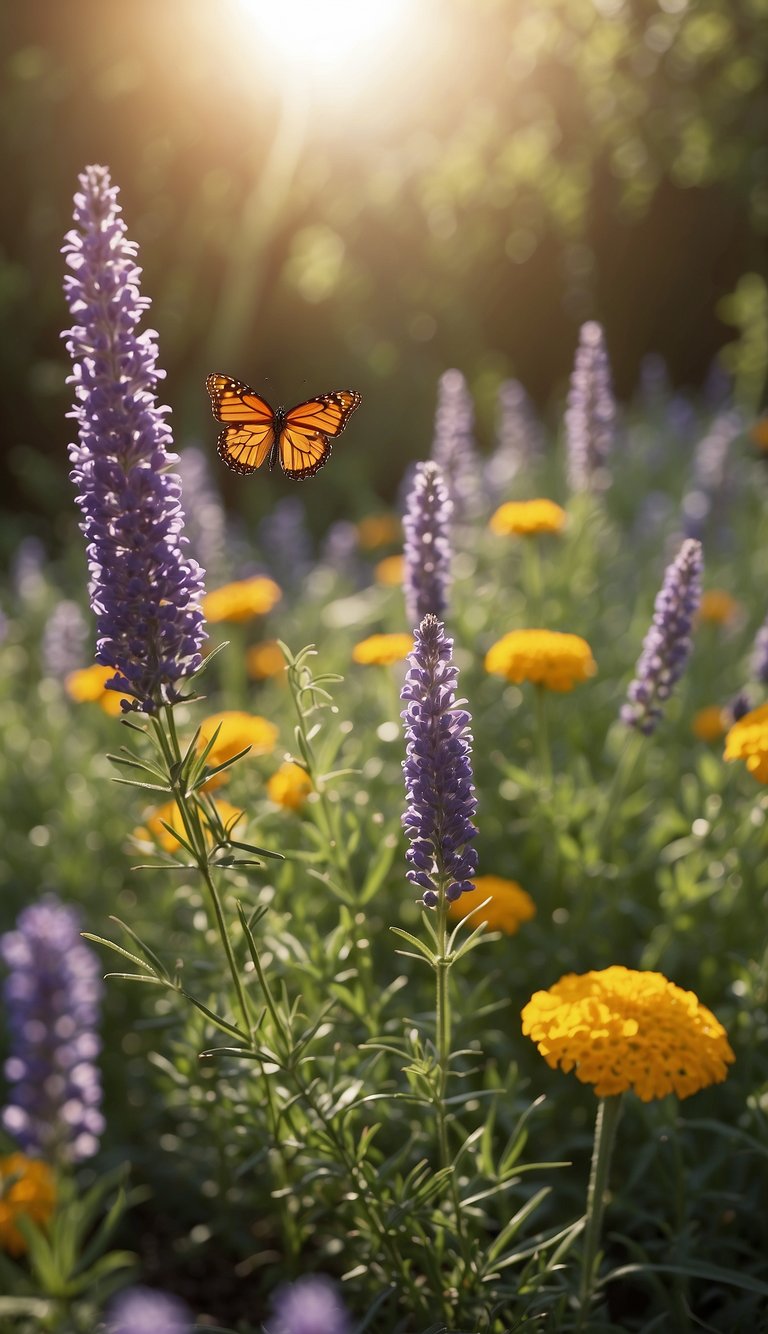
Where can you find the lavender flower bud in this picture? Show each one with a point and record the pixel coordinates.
(52, 994)
(453, 447)
(438, 770)
(590, 418)
(668, 642)
(520, 437)
(427, 547)
(144, 590)
(309, 1306)
(708, 497)
(143, 1311)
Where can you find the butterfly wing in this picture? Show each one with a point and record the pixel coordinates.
(250, 423)
(304, 441)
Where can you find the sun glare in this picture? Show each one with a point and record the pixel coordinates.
(327, 38)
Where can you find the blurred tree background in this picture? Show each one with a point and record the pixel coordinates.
(463, 190)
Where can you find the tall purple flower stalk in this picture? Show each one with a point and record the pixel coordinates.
(427, 547)
(590, 418)
(206, 521)
(520, 439)
(64, 640)
(144, 1311)
(667, 645)
(438, 770)
(706, 503)
(309, 1306)
(145, 591)
(453, 446)
(52, 996)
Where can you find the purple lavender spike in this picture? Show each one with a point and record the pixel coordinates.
(145, 591)
(206, 522)
(311, 1305)
(453, 447)
(285, 542)
(52, 995)
(426, 547)
(590, 418)
(521, 440)
(667, 644)
(438, 770)
(64, 640)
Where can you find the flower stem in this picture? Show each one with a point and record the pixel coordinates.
(542, 736)
(608, 1113)
(532, 578)
(442, 1023)
(622, 776)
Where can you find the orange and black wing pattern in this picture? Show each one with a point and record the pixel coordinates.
(250, 424)
(307, 430)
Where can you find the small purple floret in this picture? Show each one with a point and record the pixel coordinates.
(52, 997)
(453, 446)
(311, 1305)
(145, 591)
(144, 1311)
(667, 644)
(590, 418)
(438, 771)
(427, 547)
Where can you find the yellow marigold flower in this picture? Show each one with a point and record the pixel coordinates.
(509, 907)
(265, 660)
(620, 1029)
(523, 518)
(719, 606)
(242, 600)
(748, 740)
(154, 830)
(389, 571)
(384, 649)
(709, 724)
(27, 1190)
(759, 433)
(546, 657)
(237, 730)
(377, 530)
(289, 786)
(87, 686)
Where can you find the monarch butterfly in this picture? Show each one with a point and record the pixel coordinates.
(254, 431)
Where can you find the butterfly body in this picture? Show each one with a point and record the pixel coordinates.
(254, 433)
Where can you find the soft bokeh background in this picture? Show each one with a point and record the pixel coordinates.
(367, 197)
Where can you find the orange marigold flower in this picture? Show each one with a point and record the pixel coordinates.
(289, 786)
(27, 1190)
(621, 1029)
(747, 740)
(236, 731)
(383, 649)
(546, 657)
(264, 660)
(377, 530)
(509, 907)
(719, 606)
(154, 831)
(709, 724)
(389, 571)
(524, 518)
(242, 600)
(88, 686)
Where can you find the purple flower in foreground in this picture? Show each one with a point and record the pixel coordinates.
(427, 548)
(143, 1311)
(453, 447)
(668, 642)
(590, 418)
(438, 770)
(144, 590)
(309, 1306)
(51, 995)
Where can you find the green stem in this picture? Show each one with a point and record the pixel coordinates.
(532, 578)
(608, 1113)
(442, 1024)
(542, 736)
(622, 776)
